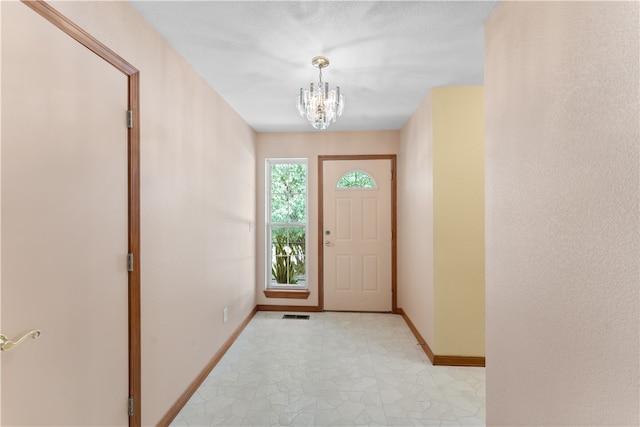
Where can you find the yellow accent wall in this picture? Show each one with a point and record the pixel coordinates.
(458, 220)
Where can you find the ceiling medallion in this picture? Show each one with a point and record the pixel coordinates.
(318, 104)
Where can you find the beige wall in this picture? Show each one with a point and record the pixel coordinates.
(415, 221)
(441, 221)
(0, 211)
(308, 145)
(562, 223)
(197, 200)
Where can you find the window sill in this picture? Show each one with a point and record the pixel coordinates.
(280, 293)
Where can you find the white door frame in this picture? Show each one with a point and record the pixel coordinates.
(394, 204)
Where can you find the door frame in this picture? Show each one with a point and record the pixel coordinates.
(394, 207)
(133, 172)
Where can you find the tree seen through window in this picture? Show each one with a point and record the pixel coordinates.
(356, 179)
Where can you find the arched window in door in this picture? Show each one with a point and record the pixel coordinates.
(356, 179)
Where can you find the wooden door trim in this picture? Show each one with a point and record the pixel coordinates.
(133, 168)
(394, 208)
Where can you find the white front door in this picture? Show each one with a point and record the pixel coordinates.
(357, 235)
(64, 228)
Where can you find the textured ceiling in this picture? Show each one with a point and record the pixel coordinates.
(385, 55)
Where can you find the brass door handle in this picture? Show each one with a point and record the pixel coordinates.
(5, 344)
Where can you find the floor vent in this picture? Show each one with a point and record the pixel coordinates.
(296, 316)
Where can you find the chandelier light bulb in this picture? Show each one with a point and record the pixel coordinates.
(319, 105)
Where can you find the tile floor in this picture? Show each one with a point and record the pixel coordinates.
(336, 369)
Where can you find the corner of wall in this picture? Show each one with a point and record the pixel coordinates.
(441, 221)
(415, 220)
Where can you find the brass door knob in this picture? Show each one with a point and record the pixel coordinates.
(6, 344)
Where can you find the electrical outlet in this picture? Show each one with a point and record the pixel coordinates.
(225, 315)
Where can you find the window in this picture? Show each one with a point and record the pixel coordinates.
(287, 223)
(356, 179)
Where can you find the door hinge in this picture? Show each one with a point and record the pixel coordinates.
(129, 262)
(129, 119)
(130, 406)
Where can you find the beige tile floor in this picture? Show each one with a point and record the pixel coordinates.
(336, 369)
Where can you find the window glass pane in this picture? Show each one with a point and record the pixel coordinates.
(298, 208)
(288, 177)
(288, 192)
(288, 260)
(287, 210)
(356, 179)
(279, 208)
(297, 243)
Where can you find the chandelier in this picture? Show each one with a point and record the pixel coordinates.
(318, 104)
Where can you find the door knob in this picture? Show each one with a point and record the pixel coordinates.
(6, 344)
(327, 243)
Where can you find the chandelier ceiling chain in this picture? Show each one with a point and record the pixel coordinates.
(318, 104)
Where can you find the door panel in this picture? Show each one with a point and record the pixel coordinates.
(357, 251)
(343, 277)
(343, 219)
(64, 228)
(370, 269)
(370, 219)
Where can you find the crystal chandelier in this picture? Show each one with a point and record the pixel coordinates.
(318, 104)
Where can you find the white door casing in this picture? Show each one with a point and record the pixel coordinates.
(64, 228)
(357, 250)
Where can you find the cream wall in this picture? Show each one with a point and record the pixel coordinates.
(441, 221)
(0, 212)
(197, 200)
(415, 221)
(562, 222)
(308, 145)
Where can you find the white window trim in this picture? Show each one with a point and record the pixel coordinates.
(268, 224)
